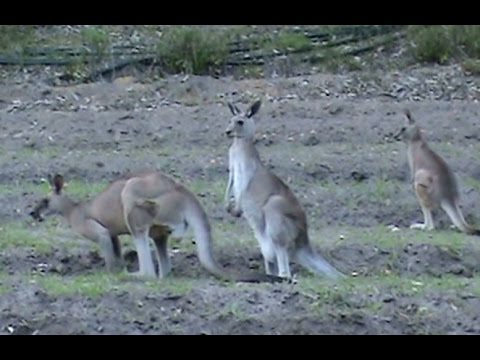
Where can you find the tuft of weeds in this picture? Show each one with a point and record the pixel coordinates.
(430, 44)
(15, 38)
(185, 49)
(440, 43)
(472, 66)
(96, 39)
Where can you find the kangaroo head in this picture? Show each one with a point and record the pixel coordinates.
(54, 203)
(410, 130)
(242, 124)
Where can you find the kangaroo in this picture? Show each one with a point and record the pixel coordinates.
(271, 209)
(433, 181)
(145, 205)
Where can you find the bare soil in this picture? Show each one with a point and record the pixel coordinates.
(327, 136)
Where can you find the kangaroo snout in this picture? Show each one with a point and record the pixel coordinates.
(36, 216)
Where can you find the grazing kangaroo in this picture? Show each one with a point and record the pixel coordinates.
(145, 205)
(267, 203)
(433, 181)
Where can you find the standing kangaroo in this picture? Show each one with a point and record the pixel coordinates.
(434, 182)
(145, 205)
(267, 203)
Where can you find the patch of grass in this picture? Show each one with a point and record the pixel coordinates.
(232, 309)
(439, 43)
(331, 59)
(288, 41)
(377, 190)
(17, 235)
(96, 39)
(171, 286)
(234, 233)
(373, 287)
(380, 189)
(92, 285)
(431, 44)
(466, 38)
(447, 150)
(384, 238)
(4, 288)
(215, 188)
(97, 284)
(78, 189)
(15, 38)
(472, 66)
(192, 50)
(84, 190)
(251, 71)
(474, 183)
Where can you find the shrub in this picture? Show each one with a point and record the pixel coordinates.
(192, 50)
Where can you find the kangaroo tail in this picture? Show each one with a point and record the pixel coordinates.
(308, 258)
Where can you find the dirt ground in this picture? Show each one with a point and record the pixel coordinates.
(327, 136)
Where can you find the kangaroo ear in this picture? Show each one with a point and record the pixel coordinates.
(235, 110)
(58, 183)
(254, 108)
(409, 116)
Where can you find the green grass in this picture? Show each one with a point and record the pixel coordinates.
(17, 235)
(43, 237)
(192, 50)
(377, 189)
(384, 238)
(83, 190)
(15, 38)
(286, 41)
(472, 66)
(372, 287)
(215, 189)
(76, 188)
(100, 283)
(174, 286)
(474, 183)
(440, 43)
(431, 44)
(4, 288)
(92, 285)
(234, 233)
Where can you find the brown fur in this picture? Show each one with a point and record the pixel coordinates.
(434, 182)
(146, 204)
(273, 212)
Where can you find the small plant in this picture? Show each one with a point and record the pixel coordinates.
(431, 44)
(97, 40)
(466, 38)
(15, 37)
(438, 43)
(192, 50)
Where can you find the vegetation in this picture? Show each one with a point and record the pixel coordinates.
(441, 43)
(93, 50)
(191, 50)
